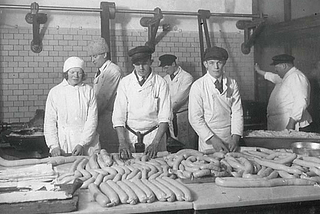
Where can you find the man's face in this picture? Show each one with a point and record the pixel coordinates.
(143, 68)
(169, 69)
(98, 60)
(75, 76)
(280, 69)
(215, 67)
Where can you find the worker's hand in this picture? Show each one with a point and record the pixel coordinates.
(234, 143)
(256, 67)
(217, 144)
(78, 150)
(56, 152)
(125, 151)
(152, 150)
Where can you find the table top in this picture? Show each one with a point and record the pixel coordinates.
(86, 205)
(209, 196)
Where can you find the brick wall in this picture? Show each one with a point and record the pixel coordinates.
(26, 77)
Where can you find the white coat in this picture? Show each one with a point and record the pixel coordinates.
(289, 98)
(212, 113)
(71, 118)
(179, 89)
(105, 86)
(142, 107)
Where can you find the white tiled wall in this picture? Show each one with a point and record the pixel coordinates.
(26, 77)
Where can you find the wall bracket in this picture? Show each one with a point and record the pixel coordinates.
(36, 19)
(251, 31)
(153, 25)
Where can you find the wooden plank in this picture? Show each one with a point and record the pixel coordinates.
(291, 30)
(50, 206)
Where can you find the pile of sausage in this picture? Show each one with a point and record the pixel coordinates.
(252, 167)
(111, 181)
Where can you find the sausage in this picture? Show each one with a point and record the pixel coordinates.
(178, 193)
(119, 169)
(201, 173)
(277, 166)
(262, 182)
(106, 157)
(123, 196)
(117, 177)
(108, 177)
(149, 193)
(306, 163)
(170, 196)
(86, 183)
(75, 164)
(311, 159)
(139, 192)
(248, 167)
(273, 174)
(98, 196)
(188, 152)
(116, 158)
(82, 163)
(100, 161)
(160, 195)
(112, 195)
(110, 170)
(133, 173)
(133, 198)
(177, 162)
(99, 179)
(93, 161)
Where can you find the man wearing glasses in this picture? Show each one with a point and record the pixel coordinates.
(142, 107)
(105, 85)
(215, 109)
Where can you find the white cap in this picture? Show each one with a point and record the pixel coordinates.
(73, 62)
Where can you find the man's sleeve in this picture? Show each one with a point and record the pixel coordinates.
(50, 123)
(236, 112)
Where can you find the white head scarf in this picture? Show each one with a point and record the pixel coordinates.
(73, 62)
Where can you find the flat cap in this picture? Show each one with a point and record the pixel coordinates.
(98, 46)
(140, 53)
(282, 58)
(167, 59)
(216, 53)
(73, 62)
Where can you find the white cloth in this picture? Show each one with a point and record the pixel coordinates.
(71, 118)
(179, 89)
(105, 86)
(212, 113)
(289, 98)
(142, 107)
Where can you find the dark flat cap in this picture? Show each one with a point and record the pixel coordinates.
(140, 53)
(216, 53)
(282, 58)
(167, 59)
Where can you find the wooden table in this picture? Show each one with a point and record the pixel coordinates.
(210, 198)
(87, 206)
(253, 200)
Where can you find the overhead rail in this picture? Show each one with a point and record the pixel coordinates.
(252, 28)
(85, 9)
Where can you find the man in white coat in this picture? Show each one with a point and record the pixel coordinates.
(105, 85)
(142, 107)
(215, 109)
(179, 82)
(71, 114)
(288, 102)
